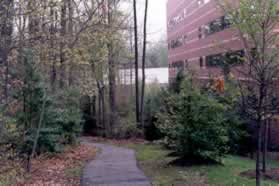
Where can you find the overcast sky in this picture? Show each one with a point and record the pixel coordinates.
(157, 18)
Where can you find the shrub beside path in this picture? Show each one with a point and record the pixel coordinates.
(113, 166)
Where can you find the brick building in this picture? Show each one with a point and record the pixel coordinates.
(199, 34)
(199, 37)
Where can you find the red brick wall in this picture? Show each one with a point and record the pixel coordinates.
(195, 47)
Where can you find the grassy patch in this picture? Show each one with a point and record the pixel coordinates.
(155, 162)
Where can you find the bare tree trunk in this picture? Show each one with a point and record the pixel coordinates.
(265, 144)
(131, 62)
(136, 61)
(104, 113)
(99, 117)
(102, 107)
(34, 147)
(93, 110)
(70, 31)
(112, 89)
(53, 74)
(259, 147)
(6, 30)
(143, 62)
(7, 66)
(112, 74)
(62, 43)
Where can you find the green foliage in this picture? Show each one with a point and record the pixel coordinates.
(153, 102)
(63, 122)
(239, 138)
(194, 124)
(70, 122)
(62, 117)
(175, 86)
(127, 131)
(31, 97)
(127, 128)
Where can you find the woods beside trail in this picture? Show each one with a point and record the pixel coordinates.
(73, 68)
(57, 59)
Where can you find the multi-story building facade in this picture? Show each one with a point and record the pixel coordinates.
(199, 36)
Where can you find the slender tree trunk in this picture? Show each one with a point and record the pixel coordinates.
(53, 74)
(62, 43)
(102, 108)
(25, 113)
(143, 62)
(104, 113)
(93, 110)
(136, 61)
(112, 74)
(131, 68)
(112, 89)
(71, 34)
(265, 144)
(6, 30)
(99, 118)
(259, 147)
(21, 63)
(6, 92)
(37, 134)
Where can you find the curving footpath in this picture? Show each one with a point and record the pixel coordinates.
(113, 166)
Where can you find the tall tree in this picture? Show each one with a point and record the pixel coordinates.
(112, 65)
(52, 52)
(256, 22)
(63, 30)
(71, 34)
(136, 61)
(265, 144)
(6, 30)
(143, 61)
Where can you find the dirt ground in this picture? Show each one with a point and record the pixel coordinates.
(61, 169)
(271, 174)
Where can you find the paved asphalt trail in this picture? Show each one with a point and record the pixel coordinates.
(113, 166)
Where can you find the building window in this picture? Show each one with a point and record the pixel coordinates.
(185, 39)
(214, 60)
(200, 33)
(201, 62)
(177, 42)
(226, 21)
(229, 58)
(217, 25)
(235, 58)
